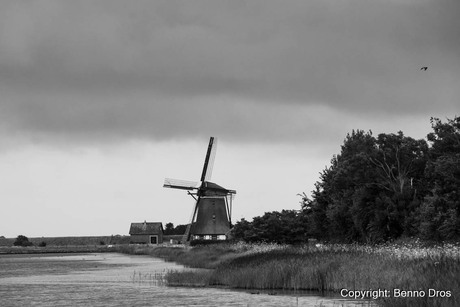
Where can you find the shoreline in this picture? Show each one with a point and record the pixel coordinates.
(17, 250)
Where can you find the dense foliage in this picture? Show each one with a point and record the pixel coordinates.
(377, 189)
(171, 230)
(285, 227)
(22, 240)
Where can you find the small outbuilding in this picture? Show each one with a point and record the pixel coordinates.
(146, 233)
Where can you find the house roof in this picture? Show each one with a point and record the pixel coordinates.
(146, 228)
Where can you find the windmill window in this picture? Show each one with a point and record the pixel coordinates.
(213, 216)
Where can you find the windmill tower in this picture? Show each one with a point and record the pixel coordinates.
(211, 216)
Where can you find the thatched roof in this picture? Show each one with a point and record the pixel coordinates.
(146, 228)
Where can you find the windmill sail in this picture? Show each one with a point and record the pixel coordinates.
(209, 160)
(181, 184)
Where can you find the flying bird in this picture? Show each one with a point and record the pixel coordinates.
(424, 68)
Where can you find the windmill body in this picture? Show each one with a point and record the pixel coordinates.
(211, 216)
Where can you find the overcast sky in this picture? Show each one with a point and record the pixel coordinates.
(101, 100)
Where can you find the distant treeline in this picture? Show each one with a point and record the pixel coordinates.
(171, 230)
(377, 189)
(64, 241)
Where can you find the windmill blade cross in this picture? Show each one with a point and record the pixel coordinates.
(211, 217)
(209, 160)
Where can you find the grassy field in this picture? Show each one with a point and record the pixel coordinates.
(324, 268)
(89, 244)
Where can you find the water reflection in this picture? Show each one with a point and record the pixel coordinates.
(120, 280)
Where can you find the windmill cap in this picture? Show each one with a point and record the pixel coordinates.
(208, 185)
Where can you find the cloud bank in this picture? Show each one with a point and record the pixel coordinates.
(249, 70)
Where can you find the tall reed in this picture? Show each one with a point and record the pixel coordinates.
(330, 268)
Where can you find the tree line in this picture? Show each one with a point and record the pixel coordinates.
(170, 229)
(378, 188)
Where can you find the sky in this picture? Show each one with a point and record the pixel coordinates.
(102, 100)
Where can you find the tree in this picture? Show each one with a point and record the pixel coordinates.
(179, 229)
(440, 213)
(398, 160)
(339, 190)
(445, 138)
(22, 240)
(169, 229)
(242, 230)
(285, 227)
(371, 190)
(376, 189)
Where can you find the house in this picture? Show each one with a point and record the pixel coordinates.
(146, 233)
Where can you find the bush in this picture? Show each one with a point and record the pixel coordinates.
(22, 241)
(42, 244)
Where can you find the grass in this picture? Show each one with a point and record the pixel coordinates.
(206, 257)
(324, 268)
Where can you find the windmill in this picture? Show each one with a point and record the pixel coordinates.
(211, 216)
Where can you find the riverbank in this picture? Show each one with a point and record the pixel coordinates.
(55, 249)
(70, 241)
(406, 275)
(52, 245)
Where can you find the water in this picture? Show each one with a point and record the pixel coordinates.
(120, 280)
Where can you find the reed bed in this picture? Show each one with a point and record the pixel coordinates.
(330, 268)
(195, 278)
(152, 278)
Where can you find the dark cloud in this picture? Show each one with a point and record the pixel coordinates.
(167, 68)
